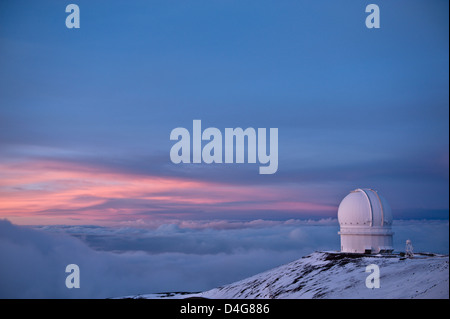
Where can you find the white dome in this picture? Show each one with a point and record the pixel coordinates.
(364, 207)
(365, 219)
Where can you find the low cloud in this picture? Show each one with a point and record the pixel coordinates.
(120, 261)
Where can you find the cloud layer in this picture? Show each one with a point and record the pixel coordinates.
(117, 261)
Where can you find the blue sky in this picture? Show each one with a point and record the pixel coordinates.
(354, 107)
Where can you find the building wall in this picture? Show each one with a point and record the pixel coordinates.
(358, 243)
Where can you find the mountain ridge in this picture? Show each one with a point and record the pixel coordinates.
(336, 275)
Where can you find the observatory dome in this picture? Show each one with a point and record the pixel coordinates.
(365, 220)
(364, 207)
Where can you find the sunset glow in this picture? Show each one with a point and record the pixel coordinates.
(40, 192)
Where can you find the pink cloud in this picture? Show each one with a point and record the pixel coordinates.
(49, 192)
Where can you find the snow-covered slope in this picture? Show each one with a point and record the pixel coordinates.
(339, 275)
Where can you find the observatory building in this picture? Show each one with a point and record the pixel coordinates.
(365, 220)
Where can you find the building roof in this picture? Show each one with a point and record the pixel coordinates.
(364, 207)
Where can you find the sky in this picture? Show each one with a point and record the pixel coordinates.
(86, 116)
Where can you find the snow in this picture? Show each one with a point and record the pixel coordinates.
(339, 276)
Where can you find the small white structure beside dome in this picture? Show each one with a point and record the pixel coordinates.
(365, 220)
